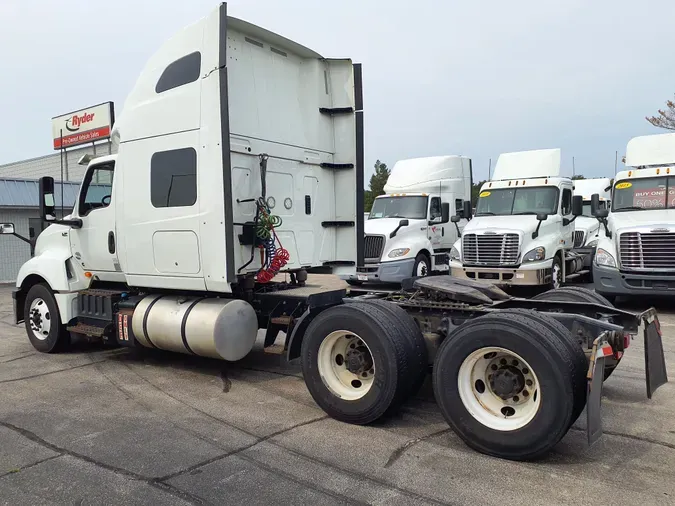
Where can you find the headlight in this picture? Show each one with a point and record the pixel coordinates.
(535, 255)
(604, 258)
(454, 254)
(592, 244)
(395, 253)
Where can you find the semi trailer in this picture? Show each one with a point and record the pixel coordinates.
(239, 167)
(523, 229)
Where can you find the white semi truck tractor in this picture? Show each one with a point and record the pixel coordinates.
(587, 229)
(636, 255)
(239, 167)
(408, 232)
(523, 229)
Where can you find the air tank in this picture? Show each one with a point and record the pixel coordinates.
(218, 328)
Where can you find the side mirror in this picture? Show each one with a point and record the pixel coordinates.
(445, 212)
(47, 201)
(456, 218)
(402, 223)
(595, 204)
(602, 213)
(466, 209)
(541, 217)
(7, 228)
(577, 205)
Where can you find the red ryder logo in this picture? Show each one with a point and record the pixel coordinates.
(73, 124)
(84, 126)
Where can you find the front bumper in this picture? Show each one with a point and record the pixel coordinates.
(17, 305)
(538, 273)
(384, 272)
(611, 281)
(588, 254)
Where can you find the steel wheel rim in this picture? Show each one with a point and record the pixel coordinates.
(422, 269)
(556, 274)
(40, 319)
(480, 395)
(340, 351)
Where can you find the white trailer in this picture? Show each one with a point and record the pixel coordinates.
(240, 156)
(523, 230)
(408, 231)
(637, 253)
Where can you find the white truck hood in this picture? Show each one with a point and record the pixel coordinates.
(385, 226)
(663, 218)
(517, 224)
(587, 224)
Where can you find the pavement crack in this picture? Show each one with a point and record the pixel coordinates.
(50, 372)
(178, 493)
(18, 358)
(633, 437)
(19, 469)
(398, 452)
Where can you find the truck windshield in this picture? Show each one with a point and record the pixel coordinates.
(644, 194)
(507, 201)
(413, 208)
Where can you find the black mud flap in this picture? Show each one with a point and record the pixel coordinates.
(595, 377)
(655, 360)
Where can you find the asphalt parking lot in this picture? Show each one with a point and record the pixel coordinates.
(115, 426)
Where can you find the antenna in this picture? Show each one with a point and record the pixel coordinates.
(489, 168)
(574, 170)
(616, 161)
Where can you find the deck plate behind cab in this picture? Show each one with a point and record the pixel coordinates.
(464, 290)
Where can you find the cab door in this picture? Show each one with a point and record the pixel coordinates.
(435, 229)
(567, 223)
(94, 245)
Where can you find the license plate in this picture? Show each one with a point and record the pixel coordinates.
(362, 277)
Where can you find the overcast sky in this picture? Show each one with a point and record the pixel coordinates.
(440, 76)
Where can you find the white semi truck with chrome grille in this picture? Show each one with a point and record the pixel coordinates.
(637, 255)
(523, 229)
(235, 141)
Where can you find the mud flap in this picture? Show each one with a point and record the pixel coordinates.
(655, 361)
(595, 377)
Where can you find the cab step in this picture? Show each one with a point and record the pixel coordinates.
(88, 330)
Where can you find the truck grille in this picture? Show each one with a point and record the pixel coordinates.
(497, 249)
(373, 246)
(647, 251)
(579, 236)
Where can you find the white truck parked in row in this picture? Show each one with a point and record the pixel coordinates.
(235, 141)
(587, 229)
(637, 255)
(522, 233)
(408, 232)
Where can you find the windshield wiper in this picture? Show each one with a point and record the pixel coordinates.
(633, 208)
(524, 212)
(487, 213)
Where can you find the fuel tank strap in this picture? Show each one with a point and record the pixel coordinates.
(145, 321)
(184, 322)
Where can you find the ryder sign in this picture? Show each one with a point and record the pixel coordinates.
(83, 126)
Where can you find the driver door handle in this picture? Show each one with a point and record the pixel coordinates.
(111, 242)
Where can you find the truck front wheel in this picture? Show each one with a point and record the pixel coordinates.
(505, 383)
(556, 273)
(43, 321)
(422, 265)
(358, 363)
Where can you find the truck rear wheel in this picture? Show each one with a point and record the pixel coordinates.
(580, 294)
(505, 384)
(356, 362)
(43, 321)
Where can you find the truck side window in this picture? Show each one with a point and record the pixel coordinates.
(435, 208)
(459, 207)
(183, 71)
(566, 206)
(173, 178)
(96, 188)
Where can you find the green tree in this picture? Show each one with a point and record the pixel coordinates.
(578, 176)
(376, 186)
(665, 118)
